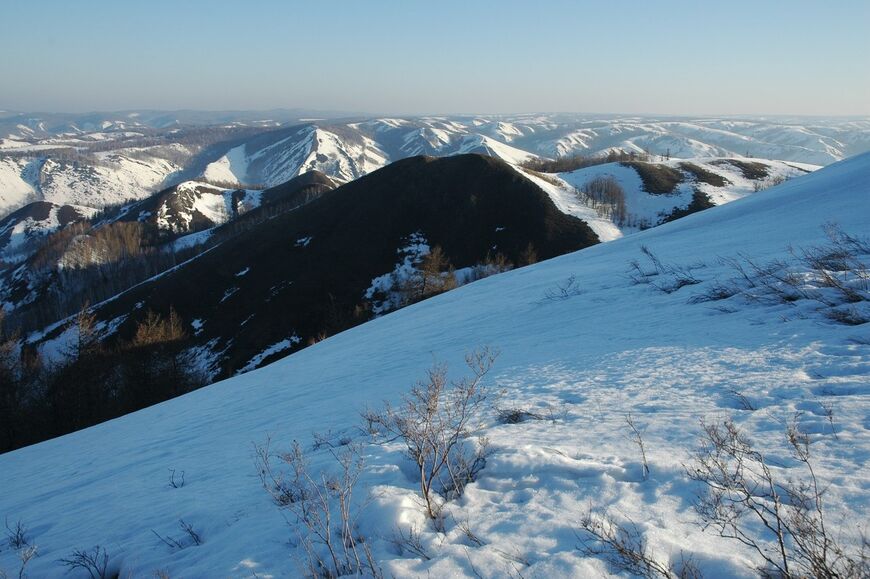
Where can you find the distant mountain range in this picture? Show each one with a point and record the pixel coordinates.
(102, 159)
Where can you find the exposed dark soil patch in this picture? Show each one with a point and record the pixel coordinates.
(657, 179)
(750, 169)
(702, 175)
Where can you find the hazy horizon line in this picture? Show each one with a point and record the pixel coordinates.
(339, 114)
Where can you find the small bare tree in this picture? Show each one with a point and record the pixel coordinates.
(435, 422)
(323, 504)
(741, 488)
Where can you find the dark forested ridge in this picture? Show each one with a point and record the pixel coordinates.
(90, 260)
(275, 281)
(305, 272)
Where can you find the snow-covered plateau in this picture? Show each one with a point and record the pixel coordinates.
(585, 341)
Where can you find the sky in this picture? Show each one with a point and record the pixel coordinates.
(795, 57)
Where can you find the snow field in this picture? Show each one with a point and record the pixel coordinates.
(583, 363)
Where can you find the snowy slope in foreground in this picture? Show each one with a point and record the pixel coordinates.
(589, 359)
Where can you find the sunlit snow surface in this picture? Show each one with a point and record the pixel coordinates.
(117, 177)
(585, 361)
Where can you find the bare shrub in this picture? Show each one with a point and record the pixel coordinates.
(835, 275)
(191, 532)
(410, 541)
(637, 438)
(25, 555)
(465, 527)
(625, 548)
(516, 415)
(839, 265)
(193, 537)
(847, 316)
(281, 485)
(513, 556)
(640, 273)
(176, 482)
(435, 422)
(16, 535)
(565, 289)
(665, 278)
(171, 542)
(828, 408)
(743, 494)
(17, 539)
(773, 181)
(680, 277)
(741, 399)
(716, 291)
(94, 561)
(323, 504)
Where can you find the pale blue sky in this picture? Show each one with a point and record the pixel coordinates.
(406, 57)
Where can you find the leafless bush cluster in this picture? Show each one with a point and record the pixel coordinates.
(191, 537)
(410, 541)
(606, 196)
(665, 278)
(835, 275)
(761, 184)
(626, 550)
(743, 495)
(17, 540)
(323, 505)
(94, 561)
(435, 422)
(16, 535)
(565, 289)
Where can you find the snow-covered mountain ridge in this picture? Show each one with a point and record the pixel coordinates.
(349, 150)
(103, 160)
(582, 359)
